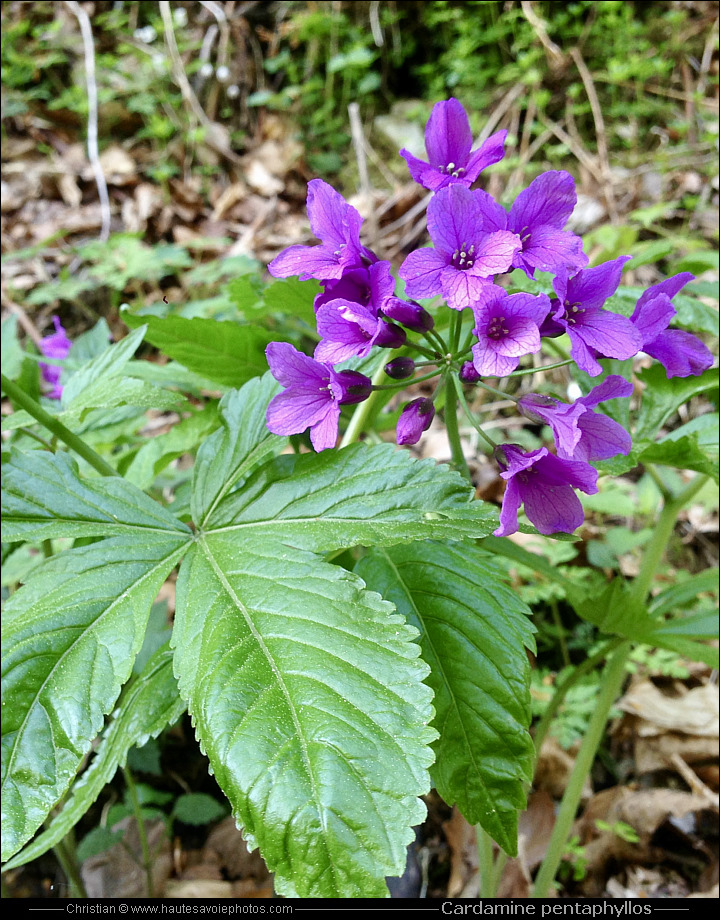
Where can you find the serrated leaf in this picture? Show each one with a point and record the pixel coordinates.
(159, 451)
(239, 445)
(684, 453)
(306, 694)
(148, 704)
(109, 363)
(126, 391)
(375, 495)
(685, 591)
(474, 632)
(293, 296)
(224, 351)
(70, 636)
(44, 497)
(664, 396)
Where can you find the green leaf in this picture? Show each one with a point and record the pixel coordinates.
(159, 451)
(680, 635)
(148, 704)
(237, 447)
(223, 351)
(474, 631)
(306, 694)
(109, 363)
(44, 497)
(663, 396)
(11, 356)
(70, 636)
(294, 297)
(669, 599)
(106, 394)
(198, 808)
(683, 453)
(359, 495)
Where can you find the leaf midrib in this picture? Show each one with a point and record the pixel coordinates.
(220, 575)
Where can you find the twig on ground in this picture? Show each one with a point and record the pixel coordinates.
(24, 320)
(697, 786)
(578, 152)
(358, 135)
(556, 58)
(92, 130)
(600, 132)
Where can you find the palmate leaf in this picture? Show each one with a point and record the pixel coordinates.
(474, 631)
(305, 689)
(69, 639)
(149, 703)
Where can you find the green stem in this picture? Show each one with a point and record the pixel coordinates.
(451, 424)
(662, 532)
(435, 339)
(142, 830)
(65, 855)
(610, 687)
(655, 476)
(543, 367)
(401, 384)
(20, 397)
(611, 684)
(565, 685)
(473, 421)
(455, 330)
(560, 633)
(428, 352)
(486, 864)
(486, 386)
(363, 410)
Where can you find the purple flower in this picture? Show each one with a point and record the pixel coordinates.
(681, 353)
(337, 224)
(466, 255)
(313, 395)
(507, 327)
(350, 329)
(544, 484)
(538, 216)
(56, 346)
(448, 141)
(414, 419)
(593, 330)
(580, 433)
(374, 287)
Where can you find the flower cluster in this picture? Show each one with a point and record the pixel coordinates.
(474, 241)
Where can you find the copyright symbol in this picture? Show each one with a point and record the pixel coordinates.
(123, 908)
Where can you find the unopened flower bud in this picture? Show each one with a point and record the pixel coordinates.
(468, 374)
(390, 336)
(354, 387)
(409, 314)
(400, 368)
(414, 419)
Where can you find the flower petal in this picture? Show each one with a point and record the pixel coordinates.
(324, 433)
(448, 138)
(592, 286)
(489, 152)
(421, 272)
(454, 219)
(548, 200)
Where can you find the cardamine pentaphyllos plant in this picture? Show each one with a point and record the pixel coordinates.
(344, 637)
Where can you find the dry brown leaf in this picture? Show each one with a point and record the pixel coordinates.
(262, 180)
(117, 165)
(534, 829)
(119, 873)
(462, 841)
(553, 769)
(230, 197)
(199, 888)
(694, 713)
(656, 752)
(226, 848)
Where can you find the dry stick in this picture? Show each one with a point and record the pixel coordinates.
(191, 100)
(92, 130)
(578, 152)
(219, 13)
(599, 130)
(697, 786)
(707, 59)
(555, 55)
(357, 134)
(24, 320)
